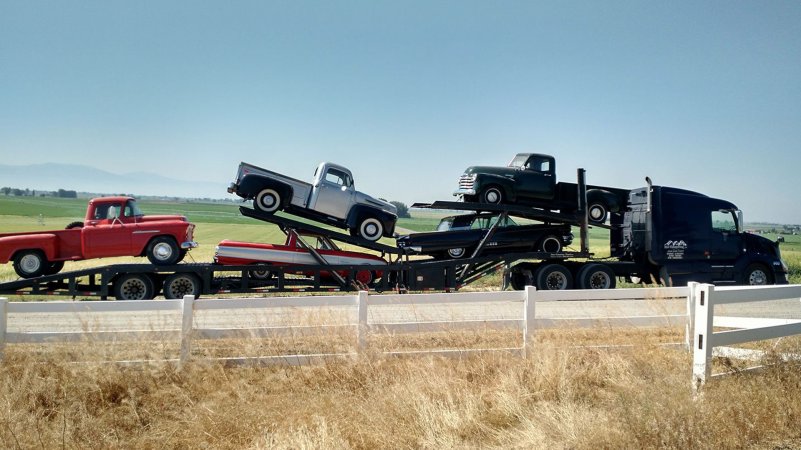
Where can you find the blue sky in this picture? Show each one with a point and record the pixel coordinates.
(695, 94)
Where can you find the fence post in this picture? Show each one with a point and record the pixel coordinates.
(361, 333)
(187, 310)
(689, 328)
(3, 326)
(702, 345)
(529, 319)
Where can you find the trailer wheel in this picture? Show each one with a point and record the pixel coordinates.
(521, 278)
(757, 275)
(178, 285)
(550, 244)
(597, 212)
(260, 274)
(30, 263)
(134, 286)
(554, 277)
(596, 276)
(456, 253)
(492, 194)
(267, 201)
(74, 225)
(54, 268)
(371, 229)
(365, 277)
(163, 251)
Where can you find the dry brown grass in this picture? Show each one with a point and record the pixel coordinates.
(559, 397)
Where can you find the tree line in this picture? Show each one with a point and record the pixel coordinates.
(16, 192)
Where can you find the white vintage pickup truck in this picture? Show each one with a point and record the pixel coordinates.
(331, 198)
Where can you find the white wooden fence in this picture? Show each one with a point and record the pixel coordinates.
(528, 321)
(707, 342)
(699, 319)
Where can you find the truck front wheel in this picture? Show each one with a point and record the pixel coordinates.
(163, 251)
(371, 229)
(267, 201)
(757, 275)
(492, 194)
(597, 212)
(30, 263)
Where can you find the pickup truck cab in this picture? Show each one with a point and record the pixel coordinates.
(530, 179)
(331, 198)
(113, 226)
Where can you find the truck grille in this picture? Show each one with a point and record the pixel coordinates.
(466, 182)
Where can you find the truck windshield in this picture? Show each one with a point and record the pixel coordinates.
(132, 209)
(518, 161)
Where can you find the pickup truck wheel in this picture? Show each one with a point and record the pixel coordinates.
(371, 229)
(30, 263)
(554, 277)
(596, 276)
(550, 244)
(365, 277)
(267, 201)
(54, 267)
(178, 285)
(163, 251)
(134, 286)
(492, 194)
(597, 212)
(74, 225)
(757, 275)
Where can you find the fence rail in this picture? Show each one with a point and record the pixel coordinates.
(698, 319)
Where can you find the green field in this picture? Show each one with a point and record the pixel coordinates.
(222, 220)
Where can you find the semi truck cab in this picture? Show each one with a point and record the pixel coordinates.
(685, 236)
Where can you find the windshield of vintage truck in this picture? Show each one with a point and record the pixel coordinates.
(518, 161)
(132, 209)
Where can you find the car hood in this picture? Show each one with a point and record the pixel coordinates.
(377, 203)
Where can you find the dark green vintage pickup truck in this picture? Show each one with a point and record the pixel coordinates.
(530, 179)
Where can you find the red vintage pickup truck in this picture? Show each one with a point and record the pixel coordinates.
(114, 226)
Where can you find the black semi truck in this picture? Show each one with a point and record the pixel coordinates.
(669, 236)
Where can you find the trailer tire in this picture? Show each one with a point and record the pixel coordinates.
(260, 274)
(72, 225)
(553, 277)
(521, 278)
(596, 276)
(163, 251)
(178, 285)
(54, 267)
(550, 244)
(30, 263)
(134, 286)
(757, 275)
(370, 228)
(492, 194)
(597, 212)
(267, 201)
(456, 253)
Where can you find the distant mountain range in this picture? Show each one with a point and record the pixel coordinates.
(52, 177)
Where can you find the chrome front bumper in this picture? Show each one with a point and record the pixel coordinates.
(464, 192)
(188, 244)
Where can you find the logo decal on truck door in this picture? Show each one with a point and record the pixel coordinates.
(675, 249)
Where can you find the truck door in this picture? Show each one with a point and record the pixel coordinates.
(725, 242)
(537, 178)
(334, 193)
(106, 234)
